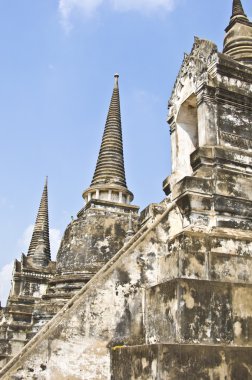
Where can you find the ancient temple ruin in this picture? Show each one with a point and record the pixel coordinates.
(41, 287)
(166, 294)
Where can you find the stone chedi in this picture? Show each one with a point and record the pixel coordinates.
(31, 276)
(175, 301)
(39, 249)
(40, 287)
(101, 226)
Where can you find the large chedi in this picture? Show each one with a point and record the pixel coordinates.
(175, 302)
(101, 227)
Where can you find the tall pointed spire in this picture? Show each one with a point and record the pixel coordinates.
(238, 9)
(110, 163)
(238, 39)
(109, 181)
(39, 248)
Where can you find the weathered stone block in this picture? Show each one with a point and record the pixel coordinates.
(181, 362)
(196, 311)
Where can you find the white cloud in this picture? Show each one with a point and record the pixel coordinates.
(143, 6)
(88, 7)
(55, 238)
(84, 7)
(5, 284)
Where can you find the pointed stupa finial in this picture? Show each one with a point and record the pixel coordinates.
(238, 39)
(39, 248)
(109, 181)
(116, 81)
(238, 9)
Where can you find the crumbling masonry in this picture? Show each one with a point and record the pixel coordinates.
(167, 295)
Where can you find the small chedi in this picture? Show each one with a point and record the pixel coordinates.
(166, 294)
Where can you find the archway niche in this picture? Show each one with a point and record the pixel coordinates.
(186, 136)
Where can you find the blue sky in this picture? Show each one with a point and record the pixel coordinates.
(58, 58)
